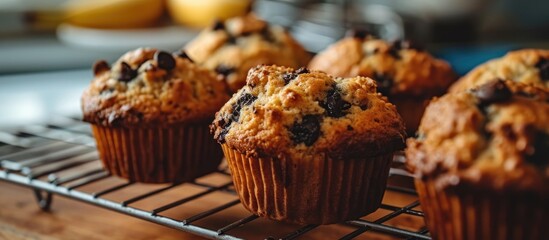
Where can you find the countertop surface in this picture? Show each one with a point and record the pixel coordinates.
(21, 219)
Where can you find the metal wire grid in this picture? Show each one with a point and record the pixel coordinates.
(34, 155)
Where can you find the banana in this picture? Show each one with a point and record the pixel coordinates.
(201, 13)
(114, 13)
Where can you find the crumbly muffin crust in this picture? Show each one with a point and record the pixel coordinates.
(530, 66)
(282, 112)
(233, 47)
(150, 87)
(400, 68)
(495, 137)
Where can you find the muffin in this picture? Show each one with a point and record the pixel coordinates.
(233, 47)
(482, 163)
(530, 66)
(306, 147)
(407, 75)
(150, 115)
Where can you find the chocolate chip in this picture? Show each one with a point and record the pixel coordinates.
(539, 154)
(302, 70)
(394, 53)
(307, 131)
(139, 115)
(493, 92)
(358, 33)
(335, 106)
(287, 77)
(268, 35)
(134, 113)
(406, 44)
(245, 34)
(224, 69)
(525, 94)
(164, 60)
(265, 33)
(244, 100)
(218, 25)
(115, 120)
(508, 132)
(384, 83)
(182, 54)
(231, 39)
(543, 67)
(224, 130)
(398, 45)
(370, 52)
(100, 66)
(106, 92)
(126, 73)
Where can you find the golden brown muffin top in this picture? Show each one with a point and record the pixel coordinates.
(147, 86)
(233, 47)
(530, 66)
(400, 68)
(495, 136)
(297, 113)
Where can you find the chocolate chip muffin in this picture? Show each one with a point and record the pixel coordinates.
(306, 147)
(406, 74)
(232, 47)
(150, 114)
(530, 66)
(482, 163)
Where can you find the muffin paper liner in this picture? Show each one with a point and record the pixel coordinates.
(411, 110)
(158, 154)
(452, 214)
(313, 191)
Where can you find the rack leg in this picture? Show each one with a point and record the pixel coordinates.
(43, 198)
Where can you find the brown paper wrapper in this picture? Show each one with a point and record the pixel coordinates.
(453, 214)
(309, 191)
(411, 110)
(158, 154)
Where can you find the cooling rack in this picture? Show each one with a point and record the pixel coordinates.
(59, 158)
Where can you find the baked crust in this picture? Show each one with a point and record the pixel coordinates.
(500, 146)
(235, 46)
(150, 94)
(399, 68)
(524, 66)
(267, 117)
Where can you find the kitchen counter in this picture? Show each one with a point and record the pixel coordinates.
(21, 219)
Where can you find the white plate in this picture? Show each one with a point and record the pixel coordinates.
(169, 37)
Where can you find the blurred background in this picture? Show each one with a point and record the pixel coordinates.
(47, 47)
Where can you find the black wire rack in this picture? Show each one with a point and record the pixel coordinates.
(59, 158)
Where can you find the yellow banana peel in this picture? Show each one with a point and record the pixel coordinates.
(114, 13)
(201, 13)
